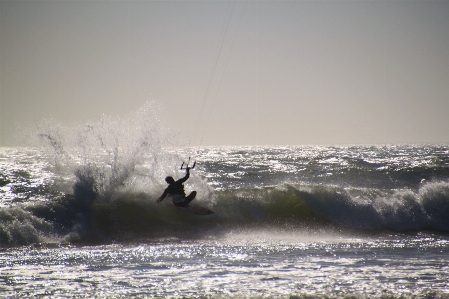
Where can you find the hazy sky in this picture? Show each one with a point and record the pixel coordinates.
(233, 73)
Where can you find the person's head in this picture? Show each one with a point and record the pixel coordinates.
(169, 180)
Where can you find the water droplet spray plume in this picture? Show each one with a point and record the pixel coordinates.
(114, 154)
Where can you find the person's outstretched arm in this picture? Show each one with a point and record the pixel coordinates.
(163, 195)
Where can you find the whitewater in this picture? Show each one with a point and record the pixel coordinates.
(79, 218)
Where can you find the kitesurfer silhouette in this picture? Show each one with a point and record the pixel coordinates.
(176, 190)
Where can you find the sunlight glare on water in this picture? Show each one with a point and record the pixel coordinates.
(240, 264)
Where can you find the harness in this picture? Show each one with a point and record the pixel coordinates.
(178, 198)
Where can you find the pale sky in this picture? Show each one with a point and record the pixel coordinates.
(287, 72)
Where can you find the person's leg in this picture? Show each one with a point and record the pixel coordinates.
(190, 197)
(187, 200)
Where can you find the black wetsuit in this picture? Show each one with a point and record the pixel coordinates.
(176, 190)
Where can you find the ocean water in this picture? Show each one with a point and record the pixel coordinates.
(78, 217)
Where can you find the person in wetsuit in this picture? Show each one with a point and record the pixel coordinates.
(176, 190)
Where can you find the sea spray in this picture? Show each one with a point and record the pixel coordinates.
(115, 161)
(110, 148)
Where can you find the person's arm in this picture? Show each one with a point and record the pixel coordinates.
(163, 195)
(186, 177)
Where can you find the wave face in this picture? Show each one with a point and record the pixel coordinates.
(98, 182)
(129, 217)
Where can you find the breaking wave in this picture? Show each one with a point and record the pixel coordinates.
(366, 209)
(132, 217)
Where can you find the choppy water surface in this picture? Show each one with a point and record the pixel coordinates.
(257, 264)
